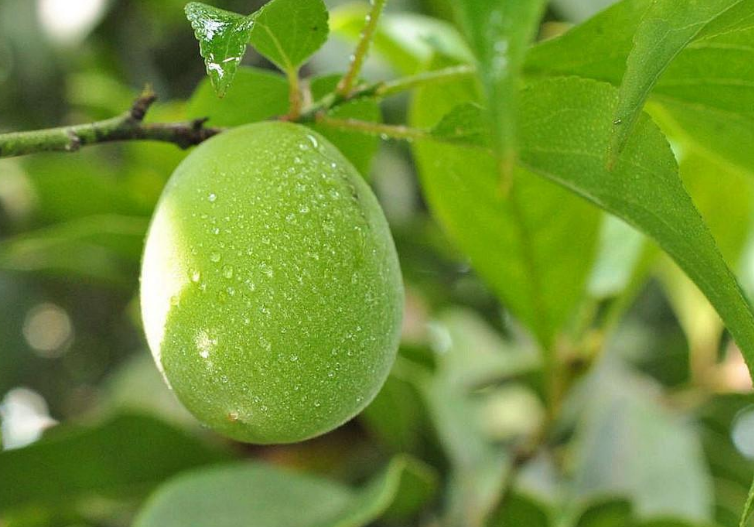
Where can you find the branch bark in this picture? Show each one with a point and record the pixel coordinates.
(126, 127)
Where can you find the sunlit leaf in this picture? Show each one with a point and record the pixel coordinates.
(222, 37)
(535, 260)
(665, 30)
(288, 32)
(707, 91)
(565, 123)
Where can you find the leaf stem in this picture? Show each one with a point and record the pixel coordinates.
(348, 81)
(388, 88)
(128, 126)
(384, 89)
(386, 131)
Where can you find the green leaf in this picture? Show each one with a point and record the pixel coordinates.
(607, 513)
(565, 131)
(222, 37)
(359, 149)
(520, 510)
(126, 454)
(628, 444)
(257, 95)
(720, 194)
(106, 248)
(499, 34)
(406, 40)
(464, 125)
(707, 91)
(535, 261)
(665, 30)
(256, 494)
(288, 32)
(395, 418)
(719, 420)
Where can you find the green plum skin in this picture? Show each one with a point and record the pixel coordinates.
(271, 291)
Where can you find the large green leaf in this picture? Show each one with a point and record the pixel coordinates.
(222, 37)
(535, 259)
(499, 34)
(665, 30)
(565, 129)
(288, 32)
(257, 95)
(707, 90)
(260, 495)
(126, 454)
(720, 194)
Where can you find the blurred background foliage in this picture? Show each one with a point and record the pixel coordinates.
(655, 425)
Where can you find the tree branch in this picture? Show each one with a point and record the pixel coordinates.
(126, 127)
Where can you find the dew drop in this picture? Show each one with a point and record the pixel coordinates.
(196, 276)
(215, 256)
(212, 197)
(228, 271)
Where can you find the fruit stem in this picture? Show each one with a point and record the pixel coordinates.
(346, 84)
(294, 97)
(127, 126)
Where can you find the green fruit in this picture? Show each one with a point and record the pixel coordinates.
(271, 291)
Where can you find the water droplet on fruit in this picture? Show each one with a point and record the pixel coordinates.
(215, 256)
(228, 271)
(196, 276)
(212, 197)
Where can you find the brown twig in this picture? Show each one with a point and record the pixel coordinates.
(126, 127)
